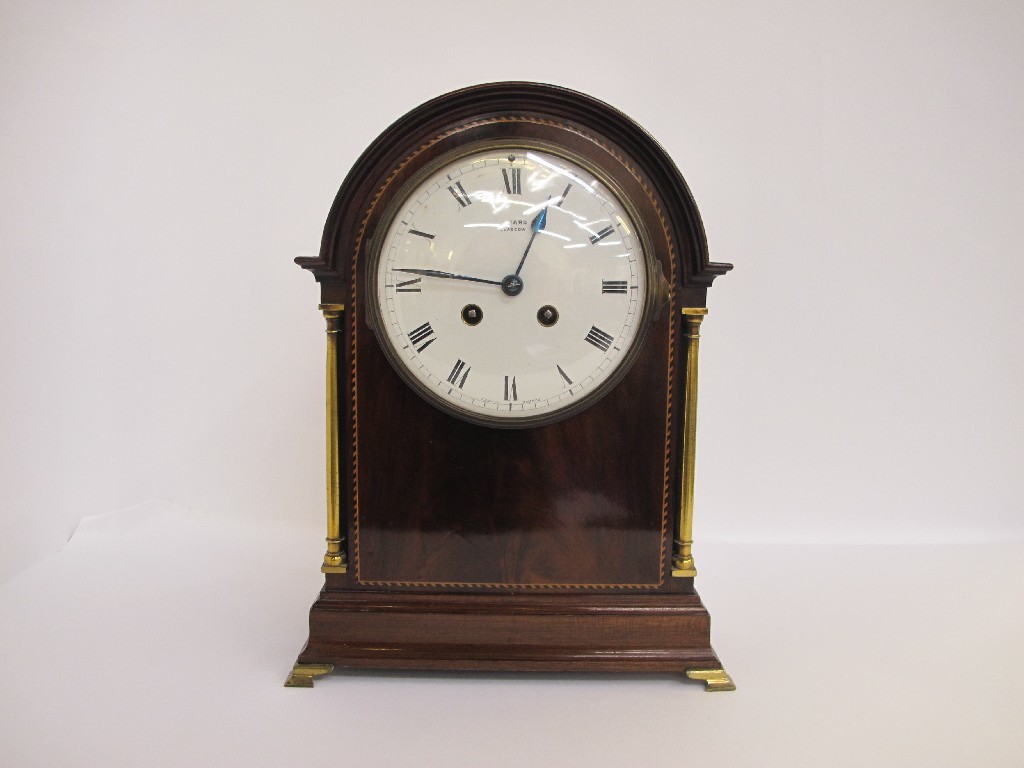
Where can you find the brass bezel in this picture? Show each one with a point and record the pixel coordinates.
(656, 285)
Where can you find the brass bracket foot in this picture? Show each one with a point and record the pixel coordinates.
(714, 679)
(302, 674)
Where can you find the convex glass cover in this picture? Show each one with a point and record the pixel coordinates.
(511, 286)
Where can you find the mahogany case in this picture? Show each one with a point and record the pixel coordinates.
(545, 548)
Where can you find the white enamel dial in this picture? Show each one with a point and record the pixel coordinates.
(510, 287)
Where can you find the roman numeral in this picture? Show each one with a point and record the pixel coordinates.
(512, 176)
(613, 286)
(460, 194)
(424, 234)
(564, 375)
(404, 286)
(599, 338)
(601, 235)
(510, 388)
(453, 377)
(425, 334)
(566, 192)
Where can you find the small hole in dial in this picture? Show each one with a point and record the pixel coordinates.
(547, 315)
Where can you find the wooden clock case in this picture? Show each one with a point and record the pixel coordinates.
(457, 546)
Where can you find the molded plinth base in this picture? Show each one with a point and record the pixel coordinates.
(528, 633)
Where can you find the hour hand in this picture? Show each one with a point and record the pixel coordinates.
(539, 222)
(447, 275)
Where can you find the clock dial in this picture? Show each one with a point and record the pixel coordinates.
(511, 286)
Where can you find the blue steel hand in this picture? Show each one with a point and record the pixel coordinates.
(539, 222)
(448, 275)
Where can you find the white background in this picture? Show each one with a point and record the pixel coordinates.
(860, 164)
(162, 163)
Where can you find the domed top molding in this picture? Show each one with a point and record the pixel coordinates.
(343, 232)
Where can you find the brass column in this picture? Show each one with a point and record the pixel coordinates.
(682, 558)
(335, 559)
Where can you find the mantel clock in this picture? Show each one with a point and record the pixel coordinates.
(513, 278)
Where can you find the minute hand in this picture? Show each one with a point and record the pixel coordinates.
(447, 275)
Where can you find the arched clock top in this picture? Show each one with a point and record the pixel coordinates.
(510, 110)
